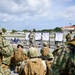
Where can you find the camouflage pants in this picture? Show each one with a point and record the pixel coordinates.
(31, 42)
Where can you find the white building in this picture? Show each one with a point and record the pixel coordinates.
(68, 28)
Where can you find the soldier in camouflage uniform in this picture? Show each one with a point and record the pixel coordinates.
(65, 64)
(32, 52)
(68, 37)
(20, 55)
(5, 51)
(48, 57)
(36, 66)
(71, 59)
(58, 58)
(31, 39)
(45, 51)
(56, 53)
(20, 47)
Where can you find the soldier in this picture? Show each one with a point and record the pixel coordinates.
(68, 62)
(48, 57)
(45, 51)
(5, 51)
(34, 65)
(20, 55)
(20, 47)
(71, 59)
(58, 57)
(31, 39)
(68, 37)
(32, 52)
(56, 53)
(65, 64)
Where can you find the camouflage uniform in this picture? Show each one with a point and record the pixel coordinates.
(71, 59)
(56, 53)
(31, 39)
(5, 51)
(46, 49)
(68, 37)
(20, 47)
(47, 57)
(65, 63)
(48, 61)
(32, 52)
(20, 55)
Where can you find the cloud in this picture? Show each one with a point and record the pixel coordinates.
(23, 6)
(21, 10)
(10, 7)
(64, 0)
(70, 12)
(67, 14)
(9, 18)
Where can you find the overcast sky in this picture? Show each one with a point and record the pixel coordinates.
(37, 14)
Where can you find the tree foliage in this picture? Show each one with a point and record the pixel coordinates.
(34, 30)
(47, 30)
(24, 30)
(13, 31)
(4, 30)
(57, 29)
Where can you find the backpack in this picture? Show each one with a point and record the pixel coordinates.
(19, 55)
(34, 66)
(45, 51)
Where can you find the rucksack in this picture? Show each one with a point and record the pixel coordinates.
(18, 55)
(45, 51)
(34, 66)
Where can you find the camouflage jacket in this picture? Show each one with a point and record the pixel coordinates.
(5, 48)
(31, 35)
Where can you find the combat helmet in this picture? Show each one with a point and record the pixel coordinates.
(45, 44)
(50, 56)
(57, 46)
(33, 52)
(20, 45)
